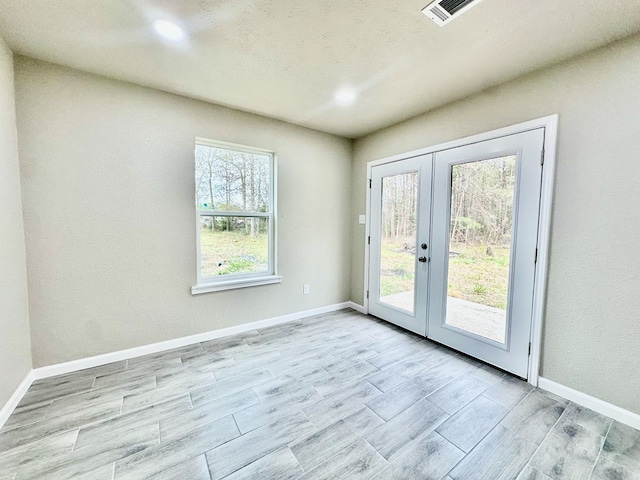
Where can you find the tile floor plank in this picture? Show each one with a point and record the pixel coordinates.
(204, 361)
(101, 473)
(49, 427)
(458, 393)
(530, 473)
(139, 401)
(158, 458)
(396, 401)
(78, 401)
(488, 374)
(297, 363)
(185, 377)
(46, 393)
(241, 366)
(265, 412)
(87, 459)
(254, 445)
(593, 421)
(41, 452)
(280, 465)
(472, 422)
(358, 461)
(430, 457)
(124, 435)
(230, 345)
(301, 392)
(193, 469)
(118, 378)
(439, 375)
(229, 387)
(509, 391)
(169, 357)
(29, 414)
(346, 374)
(607, 470)
(348, 370)
(500, 456)
(569, 451)
(117, 428)
(622, 446)
(534, 416)
(340, 404)
(85, 373)
(179, 424)
(316, 448)
(391, 357)
(396, 374)
(431, 353)
(414, 423)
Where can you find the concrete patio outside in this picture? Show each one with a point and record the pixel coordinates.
(488, 322)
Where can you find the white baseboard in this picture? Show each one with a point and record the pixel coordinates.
(81, 364)
(356, 307)
(595, 404)
(13, 402)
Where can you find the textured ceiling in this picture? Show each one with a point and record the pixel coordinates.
(286, 58)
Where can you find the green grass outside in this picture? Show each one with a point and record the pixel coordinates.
(224, 253)
(473, 275)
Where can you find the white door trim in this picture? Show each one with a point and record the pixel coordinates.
(550, 124)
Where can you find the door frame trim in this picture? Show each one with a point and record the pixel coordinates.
(550, 125)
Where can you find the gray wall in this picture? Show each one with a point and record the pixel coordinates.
(15, 346)
(108, 189)
(592, 331)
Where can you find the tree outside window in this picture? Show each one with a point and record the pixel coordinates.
(234, 204)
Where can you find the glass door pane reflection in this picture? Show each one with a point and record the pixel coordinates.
(482, 195)
(398, 240)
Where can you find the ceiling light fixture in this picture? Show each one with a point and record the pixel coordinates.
(345, 97)
(169, 30)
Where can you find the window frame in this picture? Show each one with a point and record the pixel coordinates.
(240, 280)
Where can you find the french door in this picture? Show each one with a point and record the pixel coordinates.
(400, 218)
(453, 238)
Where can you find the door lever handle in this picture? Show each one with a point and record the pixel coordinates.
(422, 259)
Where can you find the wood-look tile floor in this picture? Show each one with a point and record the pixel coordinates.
(334, 396)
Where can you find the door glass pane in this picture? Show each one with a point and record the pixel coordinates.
(233, 245)
(480, 246)
(398, 240)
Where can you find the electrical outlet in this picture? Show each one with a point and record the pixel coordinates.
(305, 289)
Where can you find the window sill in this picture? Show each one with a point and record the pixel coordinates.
(238, 283)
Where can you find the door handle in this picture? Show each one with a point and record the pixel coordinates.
(422, 259)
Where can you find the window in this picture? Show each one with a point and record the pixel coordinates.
(235, 216)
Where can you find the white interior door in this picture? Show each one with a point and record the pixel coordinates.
(399, 226)
(486, 199)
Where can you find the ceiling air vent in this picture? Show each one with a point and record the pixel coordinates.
(443, 11)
